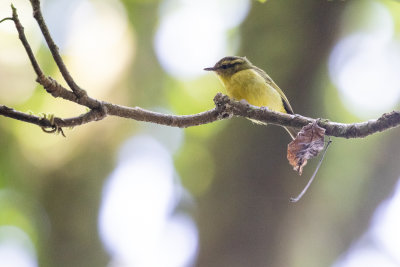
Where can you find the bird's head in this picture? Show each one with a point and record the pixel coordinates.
(228, 66)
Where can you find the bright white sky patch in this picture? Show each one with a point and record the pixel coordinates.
(365, 257)
(136, 220)
(16, 248)
(193, 34)
(100, 44)
(365, 67)
(380, 245)
(178, 244)
(386, 224)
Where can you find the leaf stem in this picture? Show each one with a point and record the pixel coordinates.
(295, 199)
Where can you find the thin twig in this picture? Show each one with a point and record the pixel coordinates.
(51, 85)
(37, 14)
(25, 43)
(5, 19)
(92, 115)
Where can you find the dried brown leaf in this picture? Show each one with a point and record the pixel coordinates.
(308, 144)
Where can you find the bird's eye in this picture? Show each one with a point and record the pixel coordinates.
(224, 67)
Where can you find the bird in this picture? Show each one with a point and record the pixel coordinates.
(244, 81)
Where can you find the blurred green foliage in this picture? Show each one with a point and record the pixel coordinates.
(237, 171)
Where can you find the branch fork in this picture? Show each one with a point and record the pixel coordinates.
(225, 108)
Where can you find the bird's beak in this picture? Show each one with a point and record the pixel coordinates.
(210, 69)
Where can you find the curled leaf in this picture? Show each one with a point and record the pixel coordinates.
(308, 144)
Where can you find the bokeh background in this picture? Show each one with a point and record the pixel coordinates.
(125, 193)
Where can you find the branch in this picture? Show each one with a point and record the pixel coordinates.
(37, 14)
(24, 41)
(53, 123)
(225, 108)
(51, 85)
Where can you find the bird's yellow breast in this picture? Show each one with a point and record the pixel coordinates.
(249, 85)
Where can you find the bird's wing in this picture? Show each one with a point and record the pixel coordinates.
(268, 80)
